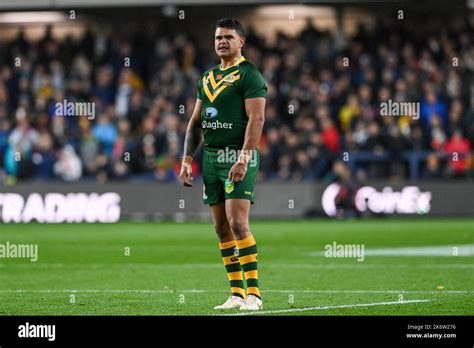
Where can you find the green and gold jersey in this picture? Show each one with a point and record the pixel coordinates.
(223, 92)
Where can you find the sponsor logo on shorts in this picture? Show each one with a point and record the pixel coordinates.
(229, 186)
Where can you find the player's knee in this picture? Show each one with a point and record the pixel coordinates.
(239, 227)
(222, 229)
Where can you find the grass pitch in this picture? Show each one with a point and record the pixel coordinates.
(176, 269)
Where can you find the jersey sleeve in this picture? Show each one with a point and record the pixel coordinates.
(199, 89)
(253, 84)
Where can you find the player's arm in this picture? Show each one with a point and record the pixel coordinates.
(192, 141)
(255, 110)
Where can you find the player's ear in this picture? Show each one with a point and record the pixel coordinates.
(242, 41)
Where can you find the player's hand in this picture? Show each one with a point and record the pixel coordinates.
(185, 175)
(237, 172)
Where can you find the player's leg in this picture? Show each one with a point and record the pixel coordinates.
(238, 198)
(221, 225)
(237, 211)
(228, 249)
(213, 195)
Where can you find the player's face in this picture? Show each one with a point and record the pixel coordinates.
(227, 42)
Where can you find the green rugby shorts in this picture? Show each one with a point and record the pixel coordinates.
(217, 187)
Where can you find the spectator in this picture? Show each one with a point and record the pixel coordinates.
(105, 132)
(22, 139)
(330, 136)
(43, 157)
(68, 167)
(103, 93)
(432, 106)
(433, 167)
(438, 135)
(457, 148)
(349, 111)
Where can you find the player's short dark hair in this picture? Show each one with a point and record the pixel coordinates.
(230, 23)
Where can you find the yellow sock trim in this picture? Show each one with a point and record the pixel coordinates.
(227, 245)
(246, 242)
(253, 291)
(238, 291)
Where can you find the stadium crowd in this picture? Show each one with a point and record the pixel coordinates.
(324, 97)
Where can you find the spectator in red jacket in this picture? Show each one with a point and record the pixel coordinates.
(330, 136)
(457, 147)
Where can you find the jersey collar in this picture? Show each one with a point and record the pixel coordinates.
(241, 59)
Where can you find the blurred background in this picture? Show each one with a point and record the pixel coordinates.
(328, 68)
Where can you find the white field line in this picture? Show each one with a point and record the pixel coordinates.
(320, 308)
(286, 291)
(360, 265)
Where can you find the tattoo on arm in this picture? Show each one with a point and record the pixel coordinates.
(193, 138)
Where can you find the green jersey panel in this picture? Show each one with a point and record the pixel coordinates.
(223, 94)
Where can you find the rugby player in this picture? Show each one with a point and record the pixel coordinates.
(228, 118)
